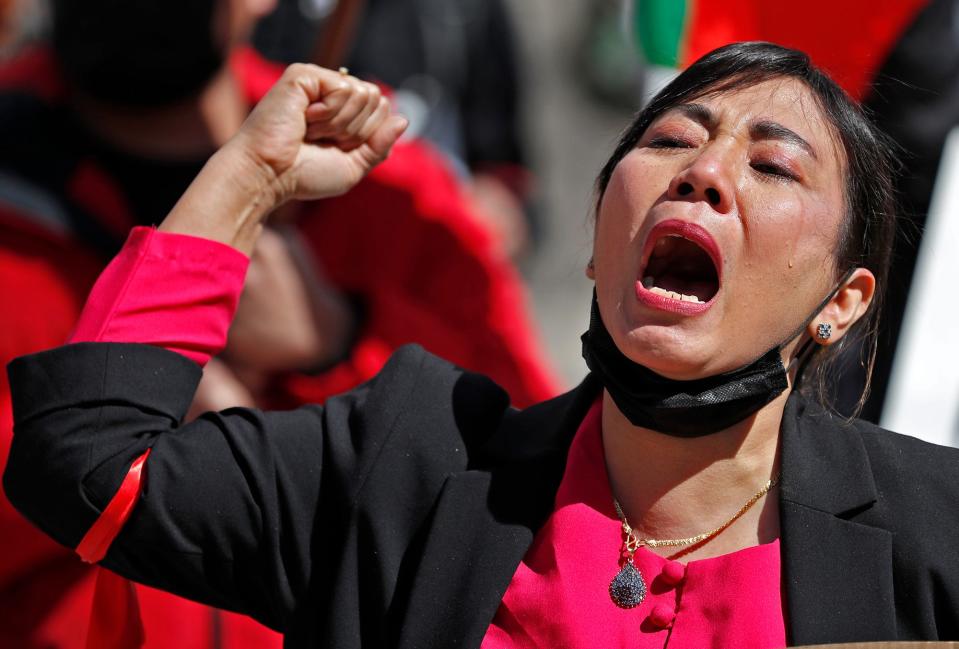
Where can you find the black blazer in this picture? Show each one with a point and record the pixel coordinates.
(396, 515)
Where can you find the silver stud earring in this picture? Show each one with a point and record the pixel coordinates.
(824, 331)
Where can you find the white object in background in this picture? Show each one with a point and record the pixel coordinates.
(923, 395)
(656, 77)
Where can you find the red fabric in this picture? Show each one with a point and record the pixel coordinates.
(34, 71)
(849, 39)
(45, 591)
(256, 74)
(559, 595)
(429, 272)
(115, 617)
(95, 543)
(184, 303)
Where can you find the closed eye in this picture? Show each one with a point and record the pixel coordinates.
(774, 170)
(665, 142)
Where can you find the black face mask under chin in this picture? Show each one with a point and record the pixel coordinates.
(684, 408)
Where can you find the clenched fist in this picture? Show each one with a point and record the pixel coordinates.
(315, 134)
(318, 132)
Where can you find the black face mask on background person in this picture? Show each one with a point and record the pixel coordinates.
(136, 53)
(687, 408)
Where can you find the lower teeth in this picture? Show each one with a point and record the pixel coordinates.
(648, 284)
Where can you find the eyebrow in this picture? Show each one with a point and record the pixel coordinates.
(767, 130)
(761, 130)
(697, 113)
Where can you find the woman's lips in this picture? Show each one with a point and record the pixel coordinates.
(673, 302)
(663, 303)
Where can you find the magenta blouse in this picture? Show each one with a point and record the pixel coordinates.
(180, 293)
(559, 595)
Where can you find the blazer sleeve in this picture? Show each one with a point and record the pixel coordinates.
(229, 510)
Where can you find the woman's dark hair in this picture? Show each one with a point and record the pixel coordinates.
(867, 232)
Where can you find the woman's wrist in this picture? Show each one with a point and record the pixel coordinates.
(228, 201)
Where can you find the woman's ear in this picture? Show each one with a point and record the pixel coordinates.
(590, 270)
(850, 303)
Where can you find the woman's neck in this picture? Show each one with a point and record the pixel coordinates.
(674, 487)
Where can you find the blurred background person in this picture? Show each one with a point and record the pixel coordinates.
(102, 130)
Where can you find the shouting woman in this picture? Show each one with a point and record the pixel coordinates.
(693, 491)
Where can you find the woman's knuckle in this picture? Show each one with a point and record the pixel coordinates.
(294, 70)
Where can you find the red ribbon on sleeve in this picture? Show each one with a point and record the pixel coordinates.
(115, 617)
(95, 543)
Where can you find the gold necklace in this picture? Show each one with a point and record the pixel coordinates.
(628, 589)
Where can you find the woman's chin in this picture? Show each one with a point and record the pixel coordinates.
(669, 353)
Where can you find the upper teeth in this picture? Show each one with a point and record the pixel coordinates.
(648, 284)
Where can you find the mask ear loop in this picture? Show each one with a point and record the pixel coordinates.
(808, 351)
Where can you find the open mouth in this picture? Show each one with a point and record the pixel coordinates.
(682, 268)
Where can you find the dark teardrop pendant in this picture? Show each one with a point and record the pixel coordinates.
(628, 588)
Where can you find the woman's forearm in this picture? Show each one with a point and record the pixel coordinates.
(227, 202)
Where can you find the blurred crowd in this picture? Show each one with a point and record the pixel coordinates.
(108, 108)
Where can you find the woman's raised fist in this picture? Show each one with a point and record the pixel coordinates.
(318, 132)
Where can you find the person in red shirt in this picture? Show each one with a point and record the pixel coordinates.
(103, 131)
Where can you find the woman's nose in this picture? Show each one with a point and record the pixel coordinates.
(706, 179)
